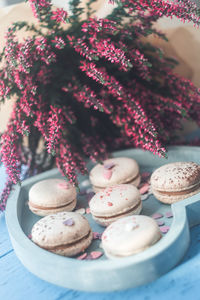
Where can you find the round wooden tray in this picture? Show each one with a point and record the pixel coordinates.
(104, 274)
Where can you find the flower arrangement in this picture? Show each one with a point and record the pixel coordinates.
(87, 86)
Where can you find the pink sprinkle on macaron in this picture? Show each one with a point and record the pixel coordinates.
(157, 216)
(164, 229)
(107, 174)
(110, 204)
(144, 188)
(64, 185)
(83, 256)
(169, 214)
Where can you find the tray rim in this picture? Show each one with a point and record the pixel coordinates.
(17, 234)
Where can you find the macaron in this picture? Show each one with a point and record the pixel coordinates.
(63, 233)
(52, 195)
(175, 181)
(115, 171)
(114, 203)
(130, 235)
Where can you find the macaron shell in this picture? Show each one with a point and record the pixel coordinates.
(52, 193)
(45, 212)
(107, 221)
(130, 235)
(169, 199)
(76, 248)
(124, 170)
(176, 176)
(50, 231)
(114, 200)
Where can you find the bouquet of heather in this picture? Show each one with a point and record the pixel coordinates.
(91, 86)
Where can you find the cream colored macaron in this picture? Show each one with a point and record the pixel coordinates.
(114, 203)
(115, 171)
(64, 233)
(130, 235)
(51, 196)
(176, 181)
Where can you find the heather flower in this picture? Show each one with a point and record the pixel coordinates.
(38, 5)
(59, 15)
(58, 42)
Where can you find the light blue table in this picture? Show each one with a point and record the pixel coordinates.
(17, 283)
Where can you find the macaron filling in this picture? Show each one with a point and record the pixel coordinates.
(64, 246)
(182, 192)
(49, 207)
(119, 214)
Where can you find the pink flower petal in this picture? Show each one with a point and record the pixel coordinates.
(157, 216)
(83, 256)
(95, 255)
(169, 214)
(107, 174)
(164, 229)
(97, 236)
(144, 188)
(87, 210)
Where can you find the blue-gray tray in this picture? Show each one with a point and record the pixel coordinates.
(104, 274)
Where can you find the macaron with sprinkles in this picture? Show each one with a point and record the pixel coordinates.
(115, 171)
(176, 181)
(63, 233)
(129, 236)
(114, 203)
(52, 195)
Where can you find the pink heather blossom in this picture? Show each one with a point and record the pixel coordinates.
(90, 99)
(5, 194)
(59, 15)
(95, 26)
(91, 147)
(58, 42)
(184, 9)
(98, 49)
(38, 5)
(69, 161)
(57, 123)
